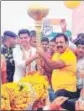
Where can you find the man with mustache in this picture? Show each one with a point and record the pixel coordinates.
(63, 65)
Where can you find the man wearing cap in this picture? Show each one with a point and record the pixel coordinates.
(7, 51)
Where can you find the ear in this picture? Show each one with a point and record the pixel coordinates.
(67, 43)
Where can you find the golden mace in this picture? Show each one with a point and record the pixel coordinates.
(38, 12)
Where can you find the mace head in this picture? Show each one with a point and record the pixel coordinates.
(37, 12)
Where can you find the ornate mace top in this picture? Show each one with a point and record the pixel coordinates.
(37, 12)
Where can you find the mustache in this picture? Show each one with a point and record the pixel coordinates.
(59, 47)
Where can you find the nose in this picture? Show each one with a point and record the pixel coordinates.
(58, 44)
(23, 40)
(81, 49)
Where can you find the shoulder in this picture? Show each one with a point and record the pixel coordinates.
(33, 49)
(17, 51)
(81, 62)
(68, 56)
(69, 52)
(3, 49)
(17, 48)
(2, 56)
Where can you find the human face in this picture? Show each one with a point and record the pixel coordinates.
(61, 44)
(33, 41)
(24, 39)
(52, 46)
(45, 45)
(12, 42)
(80, 51)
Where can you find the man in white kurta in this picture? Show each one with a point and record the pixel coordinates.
(22, 54)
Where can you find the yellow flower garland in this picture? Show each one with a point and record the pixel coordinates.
(18, 96)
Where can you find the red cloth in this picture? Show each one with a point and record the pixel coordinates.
(3, 69)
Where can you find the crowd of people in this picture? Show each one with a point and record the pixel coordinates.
(62, 61)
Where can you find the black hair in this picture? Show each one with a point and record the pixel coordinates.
(23, 31)
(45, 39)
(62, 34)
(80, 35)
(33, 33)
(79, 42)
(53, 40)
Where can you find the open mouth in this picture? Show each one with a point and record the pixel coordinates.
(59, 48)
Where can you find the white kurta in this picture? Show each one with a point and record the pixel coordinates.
(20, 67)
